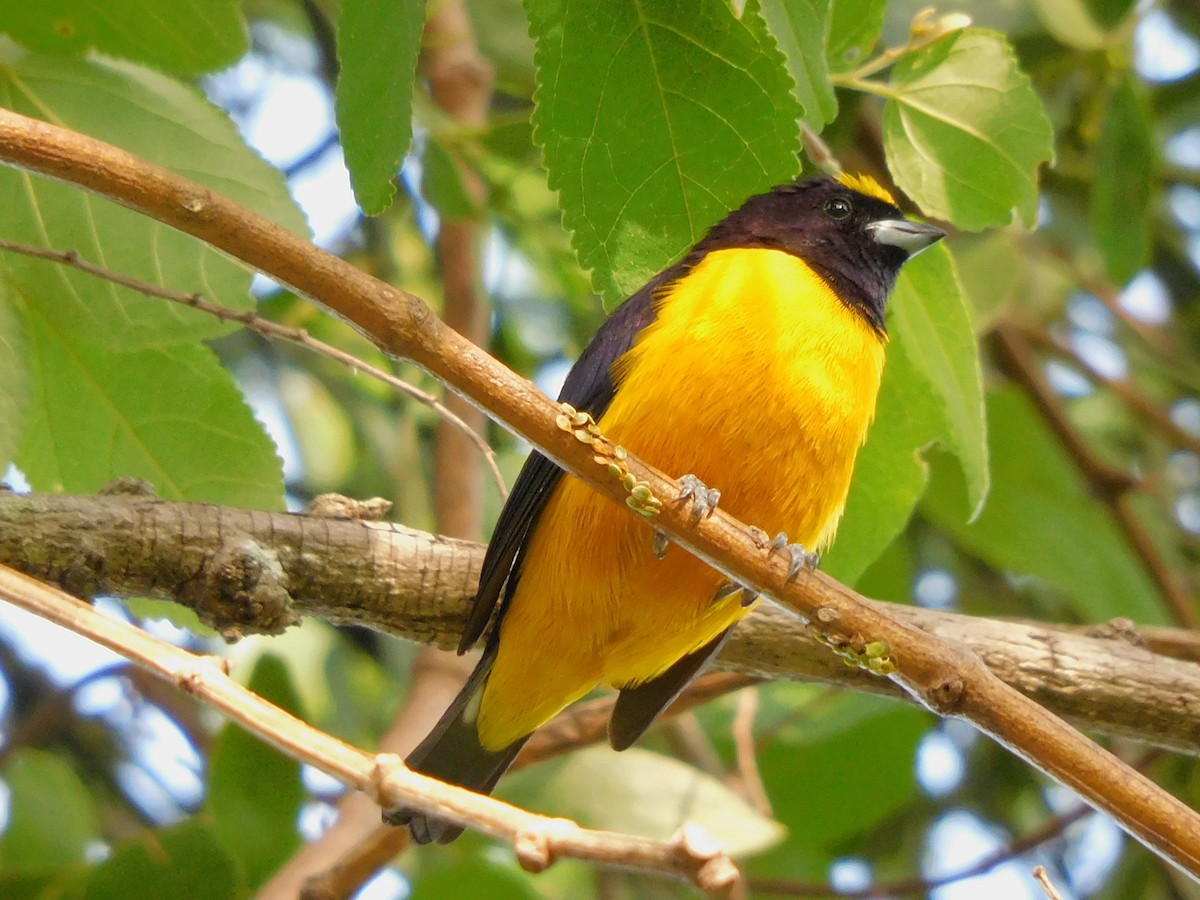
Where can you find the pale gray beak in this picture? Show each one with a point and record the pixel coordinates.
(911, 237)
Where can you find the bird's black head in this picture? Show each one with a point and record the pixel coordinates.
(849, 230)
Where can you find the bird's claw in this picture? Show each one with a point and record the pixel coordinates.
(799, 559)
(703, 498)
(661, 542)
(729, 588)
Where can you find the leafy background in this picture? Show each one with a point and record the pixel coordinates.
(619, 132)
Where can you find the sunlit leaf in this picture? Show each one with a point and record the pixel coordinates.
(164, 122)
(170, 415)
(656, 118)
(965, 132)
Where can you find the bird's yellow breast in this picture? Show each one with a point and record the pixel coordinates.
(754, 377)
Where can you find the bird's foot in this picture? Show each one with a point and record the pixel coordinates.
(799, 559)
(703, 498)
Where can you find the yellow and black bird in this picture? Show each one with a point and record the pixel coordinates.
(753, 364)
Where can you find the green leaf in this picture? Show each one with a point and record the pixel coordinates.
(187, 36)
(965, 132)
(14, 378)
(799, 27)
(1038, 497)
(378, 45)
(1121, 192)
(932, 393)
(171, 415)
(656, 118)
(643, 793)
(164, 122)
(183, 861)
(853, 30)
(254, 792)
(891, 473)
(930, 316)
(442, 183)
(52, 817)
(833, 769)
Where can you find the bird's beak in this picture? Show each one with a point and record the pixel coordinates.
(911, 237)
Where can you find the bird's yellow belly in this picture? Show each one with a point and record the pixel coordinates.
(766, 395)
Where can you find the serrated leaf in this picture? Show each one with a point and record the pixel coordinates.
(378, 45)
(254, 792)
(1123, 185)
(164, 122)
(1039, 497)
(965, 132)
(799, 27)
(51, 817)
(656, 118)
(643, 793)
(14, 378)
(189, 37)
(854, 29)
(171, 415)
(183, 861)
(930, 316)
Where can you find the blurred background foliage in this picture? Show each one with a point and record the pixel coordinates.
(1037, 453)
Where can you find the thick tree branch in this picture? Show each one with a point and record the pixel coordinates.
(946, 678)
(246, 571)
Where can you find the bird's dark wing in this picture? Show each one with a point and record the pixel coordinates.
(637, 707)
(590, 387)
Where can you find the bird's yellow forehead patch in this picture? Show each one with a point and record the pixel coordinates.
(865, 184)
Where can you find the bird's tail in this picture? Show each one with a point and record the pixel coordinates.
(452, 752)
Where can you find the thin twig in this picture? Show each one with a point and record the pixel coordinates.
(692, 855)
(1039, 872)
(268, 329)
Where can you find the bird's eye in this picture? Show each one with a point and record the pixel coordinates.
(838, 208)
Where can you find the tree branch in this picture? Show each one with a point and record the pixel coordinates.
(246, 572)
(948, 679)
(691, 855)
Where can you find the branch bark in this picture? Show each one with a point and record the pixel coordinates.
(946, 678)
(245, 571)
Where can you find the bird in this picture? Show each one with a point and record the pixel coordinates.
(753, 364)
